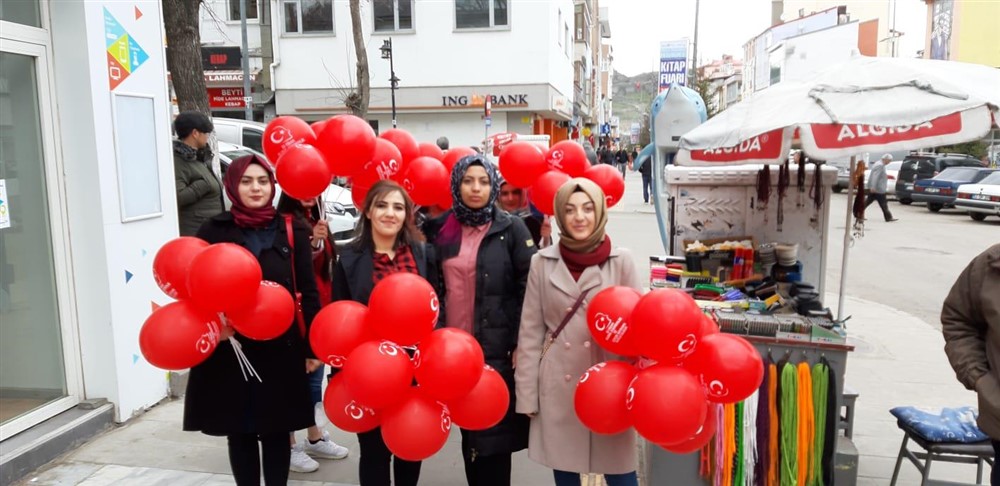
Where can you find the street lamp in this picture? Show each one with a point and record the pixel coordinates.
(393, 80)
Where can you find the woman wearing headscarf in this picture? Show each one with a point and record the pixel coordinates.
(583, 262)
(220, 400)
(486, 254)
(514, 200)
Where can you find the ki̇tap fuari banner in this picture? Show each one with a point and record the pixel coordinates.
(673, 63)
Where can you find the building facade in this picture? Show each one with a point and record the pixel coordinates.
(725, 78)
(963, 31)
(87, 195)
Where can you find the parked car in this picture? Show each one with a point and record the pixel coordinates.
(924, 166)
(247, 133)
(339, 206)
(940, 191)
(981, 199)
(892, 174)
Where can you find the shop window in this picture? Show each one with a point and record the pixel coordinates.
(393, 15)
(479, 14)
(308, 16)
(21, 12)
(251, 9)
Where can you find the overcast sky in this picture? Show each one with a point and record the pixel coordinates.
(638, 26)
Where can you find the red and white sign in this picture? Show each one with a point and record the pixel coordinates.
(225, 98)
(769, 147)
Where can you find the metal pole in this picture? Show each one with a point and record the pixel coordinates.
(694, 52)
(847, 241)
(392, 84)
(247, 100)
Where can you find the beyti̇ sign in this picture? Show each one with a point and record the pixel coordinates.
(225, 97)
(673, 63)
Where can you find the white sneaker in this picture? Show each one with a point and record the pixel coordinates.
(300, 462)
(325, 448)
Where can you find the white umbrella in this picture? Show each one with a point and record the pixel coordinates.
(863, 105)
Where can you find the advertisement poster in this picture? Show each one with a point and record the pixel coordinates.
(941, 30)
(673, 63)
(4, 206)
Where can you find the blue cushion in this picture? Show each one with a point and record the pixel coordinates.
(942, 425)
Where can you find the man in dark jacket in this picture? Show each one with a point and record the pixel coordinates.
(199, 192)
(970, 321)
(621, 160)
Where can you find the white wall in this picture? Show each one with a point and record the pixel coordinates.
(805, 55)
(110, 311)
(217, 29)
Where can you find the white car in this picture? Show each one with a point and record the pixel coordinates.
(246, 133)
(339, 207)
(981, 199)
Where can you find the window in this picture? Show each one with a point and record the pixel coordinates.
(393, 15)
(234, 9)
(23, 12)
(308, 16)
(559, 34)
(473, 14)
(252, 139)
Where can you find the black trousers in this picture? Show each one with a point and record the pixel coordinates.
(882, 202)
(244, 458)
(373, 467)
(487, 470)
(995, 475)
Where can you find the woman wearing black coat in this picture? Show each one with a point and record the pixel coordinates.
(386, 242)
(486, 254)
(220, 401)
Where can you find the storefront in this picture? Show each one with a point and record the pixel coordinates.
(86, 197)
(224, 83)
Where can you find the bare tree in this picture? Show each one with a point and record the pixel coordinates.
(358, 100)
(180, 19)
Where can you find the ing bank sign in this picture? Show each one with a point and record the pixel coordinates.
(476, 100)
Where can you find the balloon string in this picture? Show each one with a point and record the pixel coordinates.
(244, 361)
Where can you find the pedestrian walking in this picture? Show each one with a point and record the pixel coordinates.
(485, 256)
(580, 265)
(199, 192)
(324, 254)
(646, 170)
(515, 201)
(386, 241)
(970, 321)
(220, 400)
(621, 160)
(877, 184)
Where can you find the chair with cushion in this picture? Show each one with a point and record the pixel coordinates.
(947, 435)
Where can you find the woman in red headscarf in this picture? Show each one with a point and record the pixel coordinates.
(220, 399)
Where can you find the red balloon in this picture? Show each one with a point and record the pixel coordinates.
(448, 363)
(403, 308)
(318, 127)
(666, 404)
(543, 192)
(609, 317)
(708, 326)
(447, 200)
(728, 366)
(610, 180)
(347, 142)
(428, 149)
(425, 180)
(302, 172)
(452, 156)
(701, 438)
(600, 397)
(522, 163)
(667, 325)
(172, 262)
(283, 133)
(485, 405)
(337, 329)
(224, 277)
(178, 336)
(385, 164)
(358, 193)
(378, 373)
(416, 428)
(344, 411)
(569, 157)
(405, 142)
(269, 317)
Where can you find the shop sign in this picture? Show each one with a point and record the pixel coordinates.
(497, 101)
(841, 136)
(227, 77)
(226, 98)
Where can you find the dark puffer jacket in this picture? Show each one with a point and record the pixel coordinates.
(199, 192)
(502, 266)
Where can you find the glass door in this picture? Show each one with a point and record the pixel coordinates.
(34, 379)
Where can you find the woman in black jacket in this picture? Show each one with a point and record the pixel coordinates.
(386, 242)
(220, 400)
(485, 256)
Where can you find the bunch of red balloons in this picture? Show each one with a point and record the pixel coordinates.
(215, 285)
(524, 165)
(687, 367)
(373, 344)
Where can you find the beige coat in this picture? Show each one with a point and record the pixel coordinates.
(557, 438)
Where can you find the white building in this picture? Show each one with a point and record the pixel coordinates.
(86, 197)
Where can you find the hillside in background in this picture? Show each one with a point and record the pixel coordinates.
(631, 97)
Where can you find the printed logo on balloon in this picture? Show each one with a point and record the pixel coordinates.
(387, 348)
(357, 412)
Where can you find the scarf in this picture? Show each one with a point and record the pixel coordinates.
(578, 262)
(594, 192)
(466, 215)
(244, 216)
(192, 154)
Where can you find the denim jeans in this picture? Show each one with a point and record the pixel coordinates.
(316, 385)
(565, 478)
(647, 183)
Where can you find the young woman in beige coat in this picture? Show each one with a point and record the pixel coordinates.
(582, 261)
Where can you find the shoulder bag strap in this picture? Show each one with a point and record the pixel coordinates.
(569, 315)
(299, 319)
